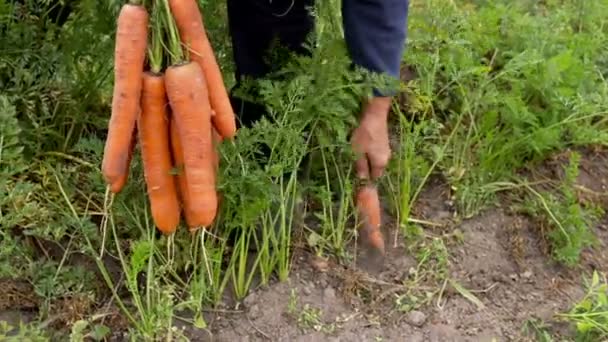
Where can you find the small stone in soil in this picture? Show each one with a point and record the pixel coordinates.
(250, 299)
(319, 264)
(329, 294)
(254, 311)
(307, 291)
(323, 282)
(527, 275)
(416, 318)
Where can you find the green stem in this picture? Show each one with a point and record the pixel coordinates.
(175, 51)
(155, 52)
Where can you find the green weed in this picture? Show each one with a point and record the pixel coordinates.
(24, 332)
(538, 329)
(565, 222)
(590, 314)
(307, 316)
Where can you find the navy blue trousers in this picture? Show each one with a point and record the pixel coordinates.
(375, 33)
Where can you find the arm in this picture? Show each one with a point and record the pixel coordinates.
(375, 32)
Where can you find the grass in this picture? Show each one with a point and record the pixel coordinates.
(590, 314)
(500, 87)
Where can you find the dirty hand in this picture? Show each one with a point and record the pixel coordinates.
(370, 139)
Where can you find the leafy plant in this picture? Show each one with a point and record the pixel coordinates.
(511, 90)
(590, 314)
(563, 220)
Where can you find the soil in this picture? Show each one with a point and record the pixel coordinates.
(498, 256)
(500, 261)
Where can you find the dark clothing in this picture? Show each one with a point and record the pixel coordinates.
(375, 33)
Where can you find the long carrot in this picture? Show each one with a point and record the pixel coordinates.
(217, 139)
(129, 55)
(153, 127)
(178, 162)
(120, 183)
(188, 97)
(368, 205)
(189, 21)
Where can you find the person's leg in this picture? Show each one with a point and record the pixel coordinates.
(254, 24)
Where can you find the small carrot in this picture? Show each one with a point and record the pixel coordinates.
(368, 206)
(190, 25)
(129, 57)
(187, 93)
(153, 127)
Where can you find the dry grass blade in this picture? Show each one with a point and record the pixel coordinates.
(467, 294)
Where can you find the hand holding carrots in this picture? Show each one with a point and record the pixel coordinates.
(179, 112)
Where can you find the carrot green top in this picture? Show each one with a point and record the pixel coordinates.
(174, 49)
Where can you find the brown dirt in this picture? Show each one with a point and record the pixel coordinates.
(500, 261)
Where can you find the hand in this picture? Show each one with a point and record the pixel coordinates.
(370, 139)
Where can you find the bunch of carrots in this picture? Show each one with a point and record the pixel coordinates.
(169, 97)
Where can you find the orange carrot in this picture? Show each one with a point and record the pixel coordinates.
(178, 162)
(368, 205)
(189, 21)
(129, 56)
(153, 127)
(122, 181)
(188, 97)
(217, 139)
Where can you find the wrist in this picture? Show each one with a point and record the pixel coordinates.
(376, 108)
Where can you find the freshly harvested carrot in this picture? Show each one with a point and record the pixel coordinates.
(187, 93)
(178, 162)
(153, 127)
(119, 184)
(217, 139)
(189, 21)
(129, 55)
(368, 206)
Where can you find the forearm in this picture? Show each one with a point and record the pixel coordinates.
(375, 32)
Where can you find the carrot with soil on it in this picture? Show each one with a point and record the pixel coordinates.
(368, 206)
(153, 127)
(129, 57)
(188, 97)
(189, 21)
